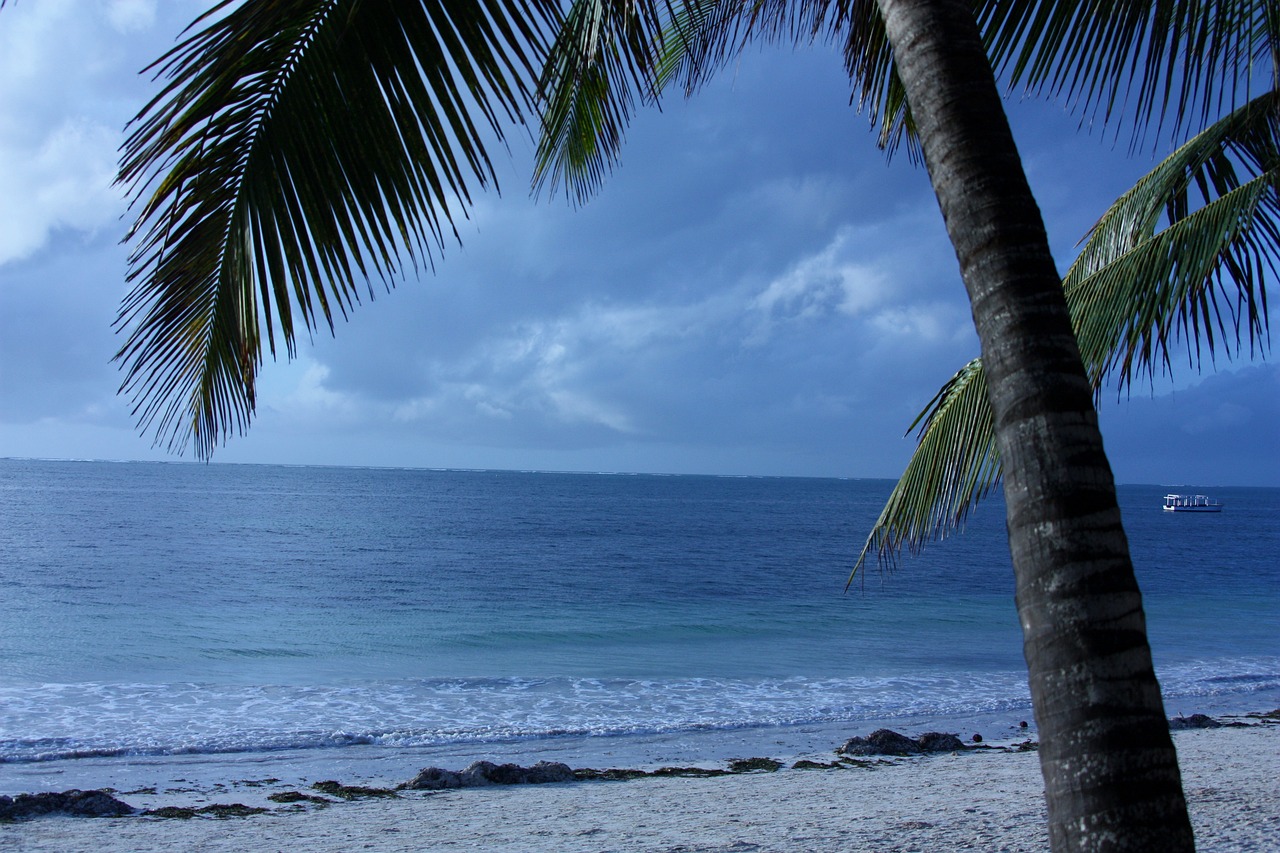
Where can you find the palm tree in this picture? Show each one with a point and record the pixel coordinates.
(1110, 771)
(1093, 686)
(301, 147)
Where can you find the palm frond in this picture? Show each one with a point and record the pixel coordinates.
(706, 34)
(297, 148)
(613, 53)
(701, 36)
(1174, 64)
(1206, 283)
(955, 465)
(1135, 291)
(1158, 60)
(604, 59)
(878, 92)
(710, 33)
(1155, 61)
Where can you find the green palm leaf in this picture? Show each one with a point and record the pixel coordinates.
(298, 148)
(602, 60)
(1149, 59)
(955, 465)
(713, 32)
(1179, 64)
(1135, 291)
(613, 53)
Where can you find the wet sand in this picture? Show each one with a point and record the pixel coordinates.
(981, 800)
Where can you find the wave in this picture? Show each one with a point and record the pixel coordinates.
(40, 750)
(54, 722)
(50, 722)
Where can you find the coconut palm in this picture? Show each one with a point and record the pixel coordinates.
(1111, 775)
(300, 148)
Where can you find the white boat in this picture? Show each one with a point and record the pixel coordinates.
(1191, 503)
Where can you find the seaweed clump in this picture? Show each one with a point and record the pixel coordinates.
(351, 792)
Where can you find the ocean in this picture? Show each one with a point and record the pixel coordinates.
(180, 621)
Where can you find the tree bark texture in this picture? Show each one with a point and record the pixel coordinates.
(1111, 774)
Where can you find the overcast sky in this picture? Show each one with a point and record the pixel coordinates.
(755, 291)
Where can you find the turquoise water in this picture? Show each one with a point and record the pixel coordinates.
(153, 611)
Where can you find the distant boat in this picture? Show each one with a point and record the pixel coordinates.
(1191, 503)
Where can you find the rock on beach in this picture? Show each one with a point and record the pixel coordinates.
(481, 773)
(889, 742)
(76, 803)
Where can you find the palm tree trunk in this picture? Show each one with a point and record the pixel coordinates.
(1110, 770)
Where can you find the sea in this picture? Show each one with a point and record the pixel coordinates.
(198, 622)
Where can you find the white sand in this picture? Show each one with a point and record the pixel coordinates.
(980, 801)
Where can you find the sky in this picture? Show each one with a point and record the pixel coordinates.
(756, 290)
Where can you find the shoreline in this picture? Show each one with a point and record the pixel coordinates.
(978, 799)
(187, 774)
(379, 765)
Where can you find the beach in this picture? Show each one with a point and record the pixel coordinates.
(974, 800)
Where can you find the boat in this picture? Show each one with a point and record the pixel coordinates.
(1191, 503)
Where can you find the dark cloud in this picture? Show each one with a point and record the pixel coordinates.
(56, 342)
(1219, 431)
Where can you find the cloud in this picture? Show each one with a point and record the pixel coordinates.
(310, 395)
(563, 370)
(67, 80)
(584, 356)
(1219, 417)
(860, 275)
(1220, 430)
(821, 285)
(932, 322)
(131, 15)
(64, 182)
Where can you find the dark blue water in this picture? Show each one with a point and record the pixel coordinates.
(152, 609)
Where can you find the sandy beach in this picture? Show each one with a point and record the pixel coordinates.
(980, 800)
